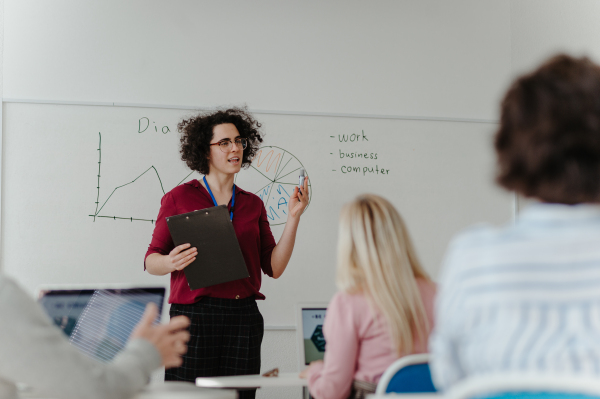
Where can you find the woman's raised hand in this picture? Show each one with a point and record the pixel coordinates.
(299, 200)
(180, 257)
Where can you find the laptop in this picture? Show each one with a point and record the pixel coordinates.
(99, 321)
(309, 332)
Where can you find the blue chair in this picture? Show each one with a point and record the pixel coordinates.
(526, 386)
(409, 374)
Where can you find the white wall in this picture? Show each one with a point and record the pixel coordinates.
(541, 28)
(1, 109)
(432, 58)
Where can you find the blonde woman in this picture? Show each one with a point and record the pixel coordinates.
(384, 307)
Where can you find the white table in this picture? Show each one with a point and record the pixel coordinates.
(252, 381)
(183, 390)
(425, 395)
(166, 390)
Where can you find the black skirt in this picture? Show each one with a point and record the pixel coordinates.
(225, 339)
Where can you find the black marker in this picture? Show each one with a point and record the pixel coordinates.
(301, 180)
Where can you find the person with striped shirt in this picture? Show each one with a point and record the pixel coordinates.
(526, 297)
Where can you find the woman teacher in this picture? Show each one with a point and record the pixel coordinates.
(226, 326)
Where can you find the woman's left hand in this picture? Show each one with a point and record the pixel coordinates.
(304, 373)
(298, 200)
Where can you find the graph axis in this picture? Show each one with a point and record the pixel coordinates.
(97, 211)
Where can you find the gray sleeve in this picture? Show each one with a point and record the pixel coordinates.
(35, 352)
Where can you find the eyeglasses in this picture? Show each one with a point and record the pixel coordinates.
(225, 145)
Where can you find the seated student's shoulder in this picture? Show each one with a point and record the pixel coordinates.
(13, 299)
(477, 235)
(467, 247)
(428, 288)
(5, 286)
(8, 284)
(349, 305)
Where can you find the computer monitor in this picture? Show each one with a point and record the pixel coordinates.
(99, 321)
(311, 342)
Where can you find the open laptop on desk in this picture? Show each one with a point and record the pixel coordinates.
(311, 346)
(309, 332)
(99, 320)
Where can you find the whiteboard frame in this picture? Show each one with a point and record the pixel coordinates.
(256, 111)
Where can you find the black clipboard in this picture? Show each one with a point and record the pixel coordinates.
(210, 231)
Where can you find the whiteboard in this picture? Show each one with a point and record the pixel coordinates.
(82, 187)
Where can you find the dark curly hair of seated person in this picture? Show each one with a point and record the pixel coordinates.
(548, 141)
(197, 132)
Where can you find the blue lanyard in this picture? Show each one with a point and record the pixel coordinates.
(215, 201)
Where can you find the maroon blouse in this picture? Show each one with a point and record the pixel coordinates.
(251, 228)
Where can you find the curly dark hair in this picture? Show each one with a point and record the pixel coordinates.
(548, 142)
(197, 132)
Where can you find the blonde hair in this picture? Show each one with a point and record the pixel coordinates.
(376, 258)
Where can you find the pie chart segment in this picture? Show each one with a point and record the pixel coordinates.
(272, 177)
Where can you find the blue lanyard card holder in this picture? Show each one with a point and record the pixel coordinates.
(211, 232)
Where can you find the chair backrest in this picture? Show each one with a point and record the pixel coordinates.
(408, 374)
(537, 395)
(526, 385)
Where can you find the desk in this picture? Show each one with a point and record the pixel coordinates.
(425, 395)
(252, 381)
(183, 390)
(166, 390)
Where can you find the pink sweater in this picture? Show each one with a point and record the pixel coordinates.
(358, 347)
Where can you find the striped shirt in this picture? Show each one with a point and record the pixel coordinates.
(521, 298)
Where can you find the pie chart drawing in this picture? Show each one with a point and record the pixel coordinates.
(272, 176)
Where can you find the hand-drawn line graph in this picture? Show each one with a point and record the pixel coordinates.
(274, 164)
(99, 208)
(275, 171)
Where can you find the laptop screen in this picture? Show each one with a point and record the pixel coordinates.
(99, 322)
(312, 332)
